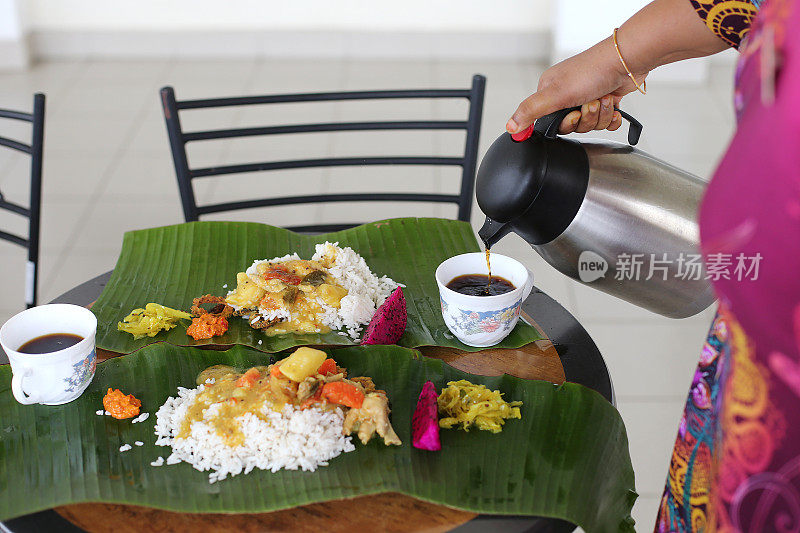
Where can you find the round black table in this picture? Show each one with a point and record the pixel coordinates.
(579, 355)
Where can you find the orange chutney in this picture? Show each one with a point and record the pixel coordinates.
(207, 326)
(119, 405)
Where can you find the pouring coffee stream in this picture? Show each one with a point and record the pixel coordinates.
(598, 205)
(489, 269)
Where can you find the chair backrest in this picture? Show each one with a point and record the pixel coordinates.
(32, 212)
(178, 140)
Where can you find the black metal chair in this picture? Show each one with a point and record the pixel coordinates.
(178, 140)
(32, 213)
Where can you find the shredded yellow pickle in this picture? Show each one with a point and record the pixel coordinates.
(467, 404)
(150, 320)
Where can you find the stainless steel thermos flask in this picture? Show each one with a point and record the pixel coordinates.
(603, 213)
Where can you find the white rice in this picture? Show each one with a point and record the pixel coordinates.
(292, 439)
(141, 418)
(158, 462)
(125, 447)
(100, 412)
(139, 443)
(365, 290)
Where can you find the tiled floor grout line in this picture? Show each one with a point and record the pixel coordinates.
(116, 159)
(436, 145)
(645, 321)
(572, 300)
(226, 148)
(653, 398)
(51, 106)
(326, 175)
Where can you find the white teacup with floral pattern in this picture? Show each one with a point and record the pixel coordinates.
(482, 321)
(56, 377)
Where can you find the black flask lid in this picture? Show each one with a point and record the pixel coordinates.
(536, 186)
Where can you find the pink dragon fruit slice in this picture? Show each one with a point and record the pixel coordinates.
(425, 422)
(389, 321)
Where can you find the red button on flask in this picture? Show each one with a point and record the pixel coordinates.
(524, 134)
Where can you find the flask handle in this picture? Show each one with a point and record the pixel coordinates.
(548, 124)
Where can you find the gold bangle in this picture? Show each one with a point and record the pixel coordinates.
(642, 88)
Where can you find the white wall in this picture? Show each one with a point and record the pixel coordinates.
(359, 15)
(406, 29)
(13, 36)
(579, 24)
(10, 20)
(542, 30)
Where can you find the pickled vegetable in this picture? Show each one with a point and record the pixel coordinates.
(466, 404)
(151, 320)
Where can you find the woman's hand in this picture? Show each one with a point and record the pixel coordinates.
(594, 80)
(662, 32)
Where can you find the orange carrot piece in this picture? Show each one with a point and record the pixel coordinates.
(275, 371)
(248, 378)
(328, 366)
(343, 393)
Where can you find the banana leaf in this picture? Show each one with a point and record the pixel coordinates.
(172, 265)
(566, 458)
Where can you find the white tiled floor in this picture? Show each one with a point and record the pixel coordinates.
(107, 169)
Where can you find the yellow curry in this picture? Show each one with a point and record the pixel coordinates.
(283, 297)
(307, 378)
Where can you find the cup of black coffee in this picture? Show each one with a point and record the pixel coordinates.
(51, 351)
(479, 311)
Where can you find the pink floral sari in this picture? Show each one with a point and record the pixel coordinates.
(736, 464)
